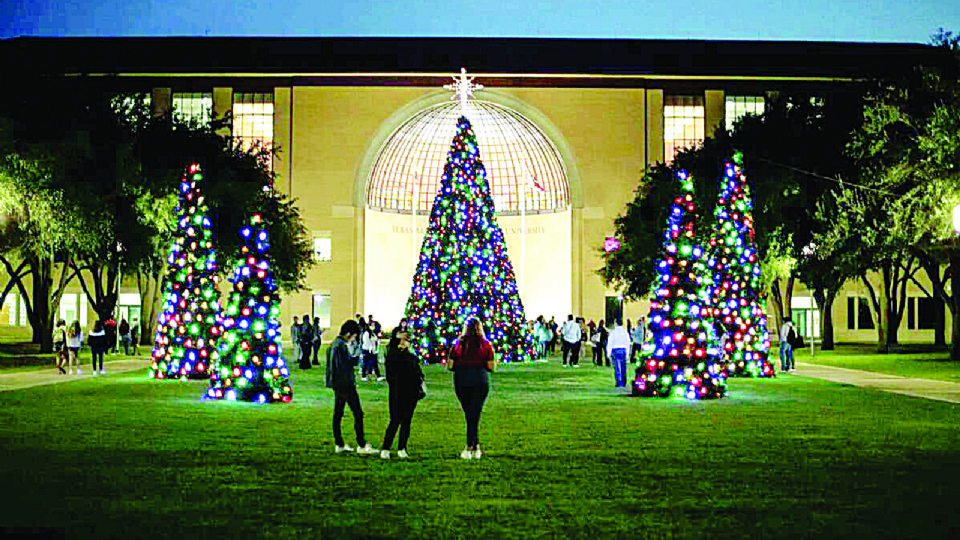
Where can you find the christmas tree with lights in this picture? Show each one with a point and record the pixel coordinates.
(251, 365)
(463, 270)
(736, 297)
(681, 357)
(189, 326)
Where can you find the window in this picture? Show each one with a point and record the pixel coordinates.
(321, 309)
(194, 106)
(927, 313)
(683, 124)
(253, 118)
(10, 306)
(73, 307)
(739, 106)
(858, 314)
(23, 312)
(322, 247)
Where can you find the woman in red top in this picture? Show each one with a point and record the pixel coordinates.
(470, 359)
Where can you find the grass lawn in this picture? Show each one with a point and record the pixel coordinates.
(909, 363)
(568, 457)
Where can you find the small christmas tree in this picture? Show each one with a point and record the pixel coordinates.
(681, 357)
(189, 327)
(463, 270)
(251, 365)
(736, 296)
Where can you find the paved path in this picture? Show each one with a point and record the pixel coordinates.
(26, 379)
(921, 388)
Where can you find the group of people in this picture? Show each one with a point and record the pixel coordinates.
(306, 339)
(470, 358)
(102, 338)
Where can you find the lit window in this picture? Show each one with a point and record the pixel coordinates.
(253, 119)
(322, 249)
(23, 312)
(683, 124)
(517, 155)
(195, 106)
(10, 306)
(739, 106)
(321, 309)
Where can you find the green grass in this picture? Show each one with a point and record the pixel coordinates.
(568, 457)
(910, 363)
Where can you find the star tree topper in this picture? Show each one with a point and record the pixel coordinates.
(463, 89)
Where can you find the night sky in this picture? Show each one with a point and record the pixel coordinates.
(832, 20)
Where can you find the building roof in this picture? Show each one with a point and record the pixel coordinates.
(507, 56)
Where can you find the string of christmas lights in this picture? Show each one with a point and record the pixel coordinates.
(681, 357)
(250, 363)
(738, 305)
(463, 269)
(189, 325)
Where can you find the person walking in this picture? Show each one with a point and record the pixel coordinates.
(637, 336)
(317, 339)
(405, 380)
(618, 347)
(788, 335)
(341, 377)
(110, 329)
(60, 344)
(553, 334)
(600, 352)
(471, 359)
(98, 343)
(570, 341)
(74, 341)
(295, 339)
(306, 342)
(135, 336)
(124, 330)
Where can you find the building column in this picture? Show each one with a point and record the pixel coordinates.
(653, 132)
(282, 133)
(222, 104)
(160, 101)
(714, 111)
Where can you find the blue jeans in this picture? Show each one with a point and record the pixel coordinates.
(786, 356)
(620, 367)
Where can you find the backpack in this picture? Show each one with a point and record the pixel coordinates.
(792, 336)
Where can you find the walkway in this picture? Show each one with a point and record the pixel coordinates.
(26, 379)
(921, 388)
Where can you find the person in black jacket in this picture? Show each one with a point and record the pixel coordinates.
(305, 338)
(340, 376)
(98, 344)
(406, 388)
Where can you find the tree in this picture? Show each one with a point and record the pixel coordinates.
(190, 325)
(249, 363)
(735, 264)
(682, 358)
(463, 270)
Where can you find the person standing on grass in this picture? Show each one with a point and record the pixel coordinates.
(124, 330)
(788, 334)
(618, 347)
(306, 342)
(97, 341)
(570, 341)
(135, 336)
(340, 376)
(470, 359)
(110, 330)
(295, 339)
(60, 344)
(406, 388)
(317, 339)
(74, 341)
(370, 349)
(637, 336)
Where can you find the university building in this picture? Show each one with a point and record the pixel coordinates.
(565, 129)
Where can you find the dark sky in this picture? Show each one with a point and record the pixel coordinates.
(833, 20)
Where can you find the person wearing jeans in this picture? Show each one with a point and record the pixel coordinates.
(788, 333)
(470, 359)
(618, 347)
(406, 388)
(570, 334)
(341, 378)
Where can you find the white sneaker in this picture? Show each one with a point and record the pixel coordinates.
(402, 454)
(79, 371)
(384, 454)
(367, 450)
(380, 378)
(103, 371)
(576, 365)
(94, 373)
(466, 454)
(477, 453)
(344, 448)
(364, 379)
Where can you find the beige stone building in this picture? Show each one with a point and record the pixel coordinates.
(565, 128)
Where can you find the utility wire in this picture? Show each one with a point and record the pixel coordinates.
(820, 176)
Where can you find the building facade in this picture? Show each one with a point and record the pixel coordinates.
(565, 127)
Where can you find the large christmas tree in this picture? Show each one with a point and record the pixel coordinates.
(251, 365)
(463, 270)
(740, 309)
(189, 326)
(681, 356)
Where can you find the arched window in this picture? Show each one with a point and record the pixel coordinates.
(518, 157)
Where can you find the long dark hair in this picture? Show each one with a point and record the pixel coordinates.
(472, 336)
